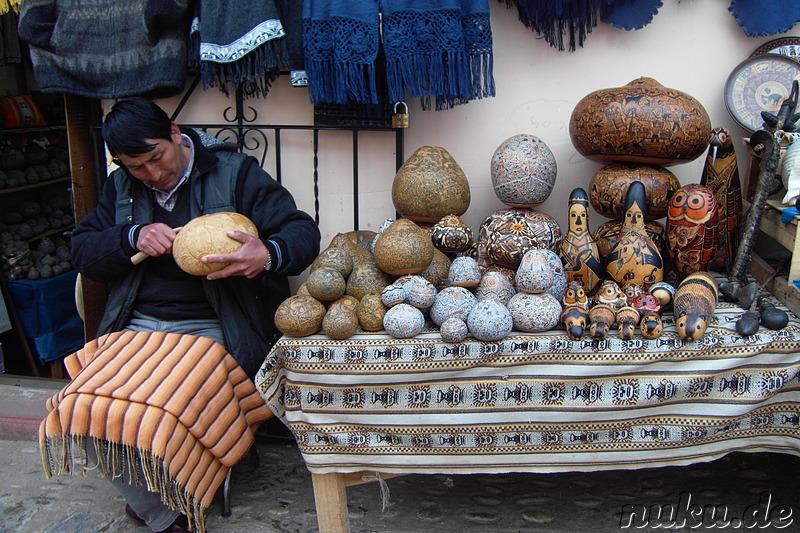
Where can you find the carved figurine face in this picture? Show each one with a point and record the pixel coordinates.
(651, 325)
(691, 326)
(610, 293)
(578, 218)
(695, 205)
(632, 290)
(645, 303)
(634, 218)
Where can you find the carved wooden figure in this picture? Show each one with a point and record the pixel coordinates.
(575, 320)
(692, 229)
(627, 319)
(721, 176)
(575, 295)
(578, 250)
(635, 258)
(695, 303)
(651, 325)
(610, 294)
(601, 319)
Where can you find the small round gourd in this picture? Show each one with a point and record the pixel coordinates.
(370, 312)
(326, 284)
(335, 258)
(366, 278)
(341, 321)
(206, 235)
(403, 248)
(489, 320)
(403, 321)
(452, 302)
(299, 316)
(453, 330)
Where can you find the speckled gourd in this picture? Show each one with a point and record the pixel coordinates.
(403, 248)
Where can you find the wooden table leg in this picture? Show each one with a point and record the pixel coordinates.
(330, 497)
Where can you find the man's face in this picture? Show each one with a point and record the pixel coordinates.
(163, 166)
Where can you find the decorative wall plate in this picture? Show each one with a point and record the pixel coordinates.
(785, 46)
(759, 83)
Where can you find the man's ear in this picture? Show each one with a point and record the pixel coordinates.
(175, 133)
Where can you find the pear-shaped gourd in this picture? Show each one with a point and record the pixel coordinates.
(403, 248)
(578, 250)
(430, 185)
(635, 258)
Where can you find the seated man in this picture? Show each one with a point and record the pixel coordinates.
(168, 176)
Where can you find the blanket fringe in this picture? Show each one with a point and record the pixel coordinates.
(254, 73)
(66, 454)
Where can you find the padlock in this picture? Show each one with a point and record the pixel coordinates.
(400, 120)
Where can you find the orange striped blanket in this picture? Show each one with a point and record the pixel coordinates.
(178, 405)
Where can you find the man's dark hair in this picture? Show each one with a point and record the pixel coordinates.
(130, 122)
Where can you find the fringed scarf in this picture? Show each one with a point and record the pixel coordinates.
(239, 45)
(556, 19)
(437, 50)
(179, 406)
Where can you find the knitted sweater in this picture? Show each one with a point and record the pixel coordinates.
(102, 49)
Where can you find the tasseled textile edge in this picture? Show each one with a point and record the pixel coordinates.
(448, 78)
(254, 73)
(62, 454)
(9, 5)
(340, 82)
(554, 20)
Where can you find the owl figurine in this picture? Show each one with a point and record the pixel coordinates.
(575, 295)
(578, 249)
(721, 176)
(610, 294)
(635, 258)
(692, 229)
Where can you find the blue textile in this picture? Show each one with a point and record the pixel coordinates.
(437, 50)
(788, 214)
(765, 17)
(46, 308)
(630, 14)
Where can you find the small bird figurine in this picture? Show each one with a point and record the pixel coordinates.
(651, 325)
(609, 293)
(627, 319)
(646, 303)
(575, 295)
(578, 249)
(601, 319)
(635, 258)
(721, 176)
(575, 320)
(692, 229)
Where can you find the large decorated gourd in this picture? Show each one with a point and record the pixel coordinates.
(509, 233)
(430, 185)
(523, 170)
(609, 186)
(299, 316)
(403, 248)
(641, 122)
(635, 258)
(206, 235)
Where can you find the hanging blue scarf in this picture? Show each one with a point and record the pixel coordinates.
(555, 19)
(765, 17)
(437, 50)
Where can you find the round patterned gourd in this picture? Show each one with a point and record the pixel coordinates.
(496, 286)
(534, 275)
(523, 171)
(366, 278)
(453, 330)
(490, 320)
(642, 122)
(403, 321)
(430, 185)
(438, 271)
(341, 321)
(336, 258)
(326, 284)
(534, 312)
(450, 234)
(452, 302)
(464, 272)
(403, 248)
(208, 234)
(370, 311)
(299, 316)
(608, 187)
(511, 232)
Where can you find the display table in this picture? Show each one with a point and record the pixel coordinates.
(530, 403)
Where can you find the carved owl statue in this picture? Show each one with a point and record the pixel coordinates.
(692, 229)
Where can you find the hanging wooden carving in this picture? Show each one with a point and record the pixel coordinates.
(721, 176)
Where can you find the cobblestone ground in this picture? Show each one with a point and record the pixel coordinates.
(276, 496)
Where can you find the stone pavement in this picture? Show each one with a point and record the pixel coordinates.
(276, 494)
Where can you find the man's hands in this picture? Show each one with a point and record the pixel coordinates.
(248, 261)
(156, 239)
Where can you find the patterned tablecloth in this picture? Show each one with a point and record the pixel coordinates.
(536, 402)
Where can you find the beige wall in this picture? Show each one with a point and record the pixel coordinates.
(691, 45)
